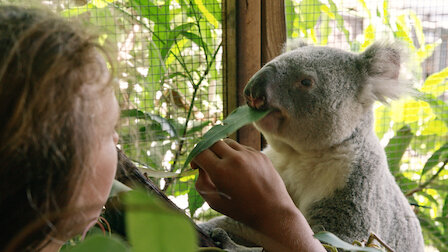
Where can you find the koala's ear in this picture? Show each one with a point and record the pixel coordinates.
(293, 44)
(381, 64)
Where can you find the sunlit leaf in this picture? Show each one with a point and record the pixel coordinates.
(76, 11)
(436, 84)
(403, 32)
(410, 110)
(427, 50)
(396, 148)
(386, 15)
(366, 9)
(152, 227)
(309, 13)
(438, 106)
(418, 28)
(369, 37)
(333, 240)
(434, 127)
(210, 18)
(324, 29)
(435, 159)
(237, 119)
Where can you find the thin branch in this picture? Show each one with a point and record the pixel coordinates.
(429, 181)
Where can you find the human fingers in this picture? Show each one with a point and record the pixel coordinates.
(222, 149)
(205, 159)
(234, 145)
(207, 189)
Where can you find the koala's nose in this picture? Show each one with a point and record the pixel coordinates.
(255, 93)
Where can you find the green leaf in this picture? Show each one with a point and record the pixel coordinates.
(329, 238)
(369, 36)
(237, 119)
(153, 227)
(195, 201)
(403, 32)
(325, 29)
(164, 123)
(418, 28)
(208, 16)
(438, 106)
(436, 84)
(436, 158)
(173, 34)
(396, 148)
(99, 243)
(197, 40)
(386, 16)
(309, 13)
(198, 127)
(76, 11)
(427, 50)
(118, 187)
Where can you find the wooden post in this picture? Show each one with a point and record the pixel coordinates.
(255, 32)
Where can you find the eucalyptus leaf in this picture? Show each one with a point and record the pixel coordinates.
(396, 148)
(153, 227)
(237, 119)
(99, 243)
(435, 159)
(195, 201)
(333, 240)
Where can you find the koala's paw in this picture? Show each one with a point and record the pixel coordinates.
(222, 239)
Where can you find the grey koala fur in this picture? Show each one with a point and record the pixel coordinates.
(321, 140)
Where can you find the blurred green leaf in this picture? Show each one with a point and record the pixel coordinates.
(438, 106)
(238, 118)
(436, 158)
(151, 226)
(333, 240)
(396, 148)
(99, 243)
(325, 29)
(198, 127)
(386, 15)
(117, 188)
(195, 200)
(444, 218)
(366, 9)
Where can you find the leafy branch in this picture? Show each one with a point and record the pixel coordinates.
(428, 182)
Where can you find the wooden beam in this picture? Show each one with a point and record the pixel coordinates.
(273, 34)
(248, 46)
(254, 33)
(273, 29)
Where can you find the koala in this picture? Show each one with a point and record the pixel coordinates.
(321, 141)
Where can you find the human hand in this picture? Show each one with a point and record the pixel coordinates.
(242, 183)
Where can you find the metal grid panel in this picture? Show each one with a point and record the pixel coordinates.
(169, 75)
(411, 129)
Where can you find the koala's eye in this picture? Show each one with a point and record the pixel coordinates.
(307, 82)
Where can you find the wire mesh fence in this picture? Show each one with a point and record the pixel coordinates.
(414, 129)
(169, 75)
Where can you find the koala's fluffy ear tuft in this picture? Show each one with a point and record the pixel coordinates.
(293, 44)
(381, 63)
